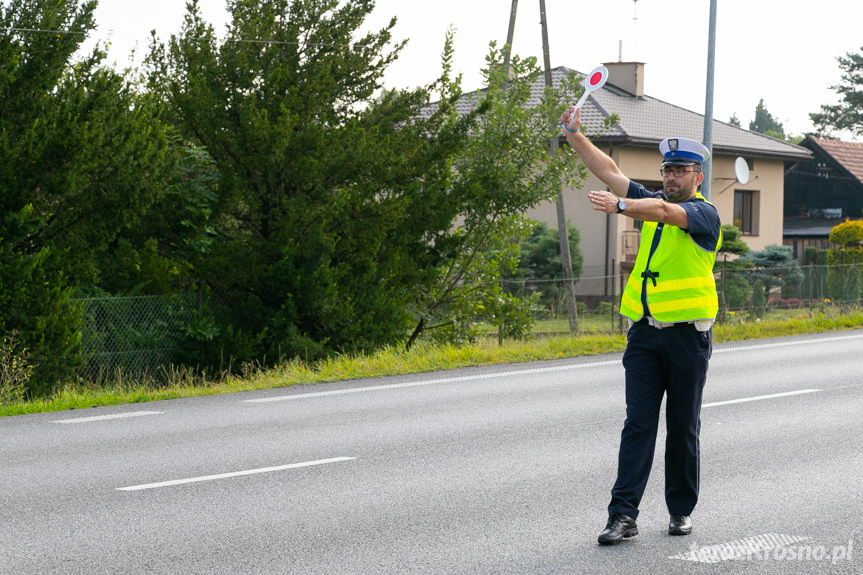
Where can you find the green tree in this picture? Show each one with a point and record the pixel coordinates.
(162, 251)
(734, 120)
(844, 272)
(540, 270)
(758, 300)
(475, 293)
(765, 123)
(334, 204)
(731, 242)
(81, 156)
(540, 254)
(776, 266)
(505, 169)
(848, 234)
(848, 113)
(345, 215)
(734, 288)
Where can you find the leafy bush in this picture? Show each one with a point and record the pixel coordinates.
(737, 290)
(15, 370)
(848, 233)
(758, 303)
(776, 267)
(605, 308)
(36, 306)
(842, 276)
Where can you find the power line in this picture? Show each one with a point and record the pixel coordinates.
(290, 42)
(44, 31)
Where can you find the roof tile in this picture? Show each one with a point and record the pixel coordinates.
(646, 121)
(848, 154)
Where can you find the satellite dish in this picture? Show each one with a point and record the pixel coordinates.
(741, 170)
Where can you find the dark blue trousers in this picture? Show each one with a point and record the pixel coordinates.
(670, 362)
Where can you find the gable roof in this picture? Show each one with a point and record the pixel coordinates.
(646, 121)
(849, 155)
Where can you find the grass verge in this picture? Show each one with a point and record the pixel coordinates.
(394, 361)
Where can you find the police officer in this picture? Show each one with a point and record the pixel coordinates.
(671, 302)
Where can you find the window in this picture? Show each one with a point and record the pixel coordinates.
(746, 211)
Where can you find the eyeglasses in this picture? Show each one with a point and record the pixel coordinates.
(679, 172)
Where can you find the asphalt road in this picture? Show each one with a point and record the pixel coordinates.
(503, 469)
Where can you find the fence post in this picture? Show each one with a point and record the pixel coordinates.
(613, 294)
(842, 277)
(724, 309)
(622, 287)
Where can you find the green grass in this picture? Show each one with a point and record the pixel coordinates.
(392, 361)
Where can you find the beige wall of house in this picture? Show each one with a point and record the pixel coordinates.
(603, 235)
(767, 188)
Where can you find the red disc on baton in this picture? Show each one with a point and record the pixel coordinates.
(593, 81)
(596, 78)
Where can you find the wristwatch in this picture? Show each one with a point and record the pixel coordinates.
(621, 205)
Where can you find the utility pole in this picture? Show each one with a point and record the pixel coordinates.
(708, 104)
(562, 229)
(510, 33)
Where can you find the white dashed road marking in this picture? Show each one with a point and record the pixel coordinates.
(233, 474)
(760, 397)
(106, 417)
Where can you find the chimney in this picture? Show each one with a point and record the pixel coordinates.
(628, 76)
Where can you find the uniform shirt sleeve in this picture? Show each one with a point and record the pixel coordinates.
(637, 191)
(704, 223)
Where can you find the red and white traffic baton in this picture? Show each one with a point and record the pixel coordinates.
(592, 82)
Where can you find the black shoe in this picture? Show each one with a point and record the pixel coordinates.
(618, 528)
(680, 525)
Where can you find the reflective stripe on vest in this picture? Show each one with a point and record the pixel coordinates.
(680, 284)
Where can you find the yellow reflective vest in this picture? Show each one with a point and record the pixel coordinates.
(677, 277)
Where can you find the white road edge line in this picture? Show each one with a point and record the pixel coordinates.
(760, 397)
(433, 381)
(105, 417)
(605, 363)
(748, 347)
(233, 474)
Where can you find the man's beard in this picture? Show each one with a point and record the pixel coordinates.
(680, 194)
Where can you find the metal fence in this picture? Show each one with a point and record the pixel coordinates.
(135, 335)
(744, 295)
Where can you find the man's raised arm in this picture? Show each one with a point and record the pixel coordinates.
(597, 162)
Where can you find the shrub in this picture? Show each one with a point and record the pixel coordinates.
(758, 303)
(15, 370)
(737, 290)
(848, 233)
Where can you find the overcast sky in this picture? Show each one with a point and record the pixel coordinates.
(782, 52)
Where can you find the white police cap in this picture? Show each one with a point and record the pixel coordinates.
(682, 152)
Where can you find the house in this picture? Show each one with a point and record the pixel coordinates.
(822, 192)
(609, 242)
